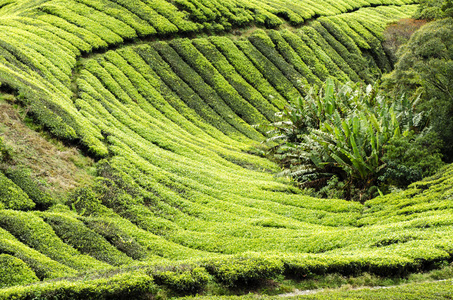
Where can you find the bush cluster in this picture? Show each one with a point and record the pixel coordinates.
(411, 158)
(12, 196)
(133, 285)
(76, 234)
(182, 279)
(117, 237)
(425, 66)
(32, 231)
(243, 270)
(14, 271)
(350, 141)
(22, 178)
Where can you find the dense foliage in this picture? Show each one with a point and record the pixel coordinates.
(410, 158)
(415, 291)
(434, 9)
(12, 197)
(14, 271)
(425, 65)
(344, 140)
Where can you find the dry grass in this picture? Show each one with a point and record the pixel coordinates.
(398, 33)
(56, 166)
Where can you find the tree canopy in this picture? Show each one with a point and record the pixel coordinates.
(426, 64)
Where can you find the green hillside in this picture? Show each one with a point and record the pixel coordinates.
(161, 98)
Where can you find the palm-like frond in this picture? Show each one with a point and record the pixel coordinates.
(339, 130)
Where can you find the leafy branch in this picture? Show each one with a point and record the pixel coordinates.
(340, 131)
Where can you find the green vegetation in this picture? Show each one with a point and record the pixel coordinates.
(12, 196)
(15, 272)
(146, 177)
(344, 142)
(74, 233)
(135, 284)
(412, 291)
(434, 9)
(5, 153)
(411, 158)
(37, 194)
(425, 66)
(428, 290)
(35, 233)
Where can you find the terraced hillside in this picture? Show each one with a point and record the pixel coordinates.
(164, 95)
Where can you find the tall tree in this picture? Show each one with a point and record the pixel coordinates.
(426, 64)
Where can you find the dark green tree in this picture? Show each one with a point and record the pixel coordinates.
(447, 8)
(434, 9)
(410, 158)
(426, 64)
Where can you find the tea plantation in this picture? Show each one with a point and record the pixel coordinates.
(164, 96)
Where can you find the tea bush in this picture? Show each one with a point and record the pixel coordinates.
(182, 279)
(22, 178)
(181, 197)
(12, 196)
(134, 284)
(117, 237)
(242, 270)
(35, 233)
(76, 234)
(14, 271)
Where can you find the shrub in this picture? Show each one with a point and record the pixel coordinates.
(341, 132)
(183, 279)
(288, 53)
(85, 201)
(263, 43)
(247, 70)
(117, 237)
(346, 50)
(12, 197)
(430, 9)
(306, 54)
(237, 82)
(205, 91)
(22, 178)
(411, 158)
(320, 41)
(76, 234)
(43, 266)
(35, 233)
(272, 74)
(242, 270)
(217, 82)
(181, 89)
(14, 271)
(322, 55)
(133, 285)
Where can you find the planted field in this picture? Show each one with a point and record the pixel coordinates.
(181, 197)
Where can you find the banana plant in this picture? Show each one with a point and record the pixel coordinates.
(341, 131)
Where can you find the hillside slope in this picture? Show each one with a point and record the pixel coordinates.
(164, 98)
